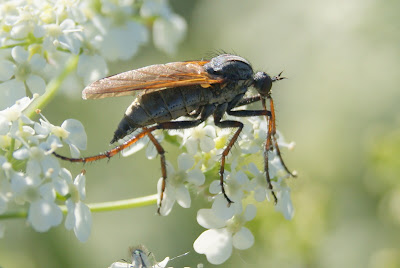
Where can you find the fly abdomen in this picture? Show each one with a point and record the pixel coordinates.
(158, 107)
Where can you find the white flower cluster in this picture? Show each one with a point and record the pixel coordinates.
(38, 36)
(244, 182)
(31, 177)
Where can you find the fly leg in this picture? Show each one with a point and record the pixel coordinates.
(161, 152)
(273, 139)
(110, 153)
(246, 113)
(272, 129)
(205, 112)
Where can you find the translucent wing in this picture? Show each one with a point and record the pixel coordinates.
(153, 77)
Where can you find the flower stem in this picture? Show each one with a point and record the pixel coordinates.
(97, 207)
(53, 86)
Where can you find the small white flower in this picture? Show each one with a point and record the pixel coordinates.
(169, 32)
(28, 69)
(91, 68)
(43, 212)
(284, 205)
(259, 183)
(176, 189)
(66, 35)
(71, 132)
(254, 137)
(237, 186)
(79, 217)
(11, 115)
(38, 160)
(132, 33)
(217, 242)
(202, 136)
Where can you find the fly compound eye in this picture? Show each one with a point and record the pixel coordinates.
(263, 83)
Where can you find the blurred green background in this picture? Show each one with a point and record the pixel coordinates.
(340, 105)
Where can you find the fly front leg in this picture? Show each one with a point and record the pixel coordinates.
(230, 124)
(249, 113)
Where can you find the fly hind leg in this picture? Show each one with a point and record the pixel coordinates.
(161, 152)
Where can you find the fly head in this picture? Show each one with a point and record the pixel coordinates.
(262, 82)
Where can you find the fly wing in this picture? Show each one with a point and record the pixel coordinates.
(150, 78)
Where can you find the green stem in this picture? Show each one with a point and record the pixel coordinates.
(52, 87)
(97, 207)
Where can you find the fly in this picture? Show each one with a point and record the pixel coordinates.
(194, 89)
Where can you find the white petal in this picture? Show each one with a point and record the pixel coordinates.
(66, 175)
(285, 205)
(215, 244)
(191, 146)
(11, 91)
(4, 125)
(75, 153)
(207, 144)
(6, 70)
(50, 163)
(260, 193)
(43, 215)
(253, 169)
(19, 54)
(241, 177)
(77, 134)
(36, 84)
(243, 239)
(182, 196)
(33, 167)
(133, 34)
(139, 145)
(151, 151)
(61, 186)
(80, 182)
(221, 208)
(67, 24)
(168, 33)
(41, 129)
(196, 177)
(21, 154)
(47, 192)
(83, 222)
(185, 161)
(70, 219)
(91, 68)
(162, 264)
(210, 131)
(168, 200)
(215, 188)
(37, 62)
(208, 219)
